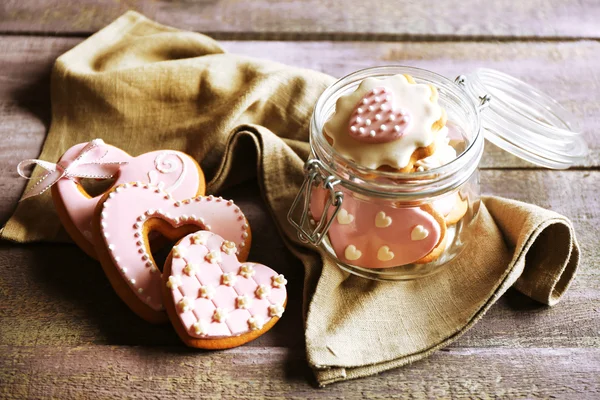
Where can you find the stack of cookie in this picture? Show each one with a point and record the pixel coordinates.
(213, 298)
(390, 125)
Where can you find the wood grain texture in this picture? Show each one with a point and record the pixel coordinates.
(318, 19)
(65, 334)
(43, 372)
(570, 72)
(68, 300)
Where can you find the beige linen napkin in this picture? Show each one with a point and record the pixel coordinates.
(142, 86)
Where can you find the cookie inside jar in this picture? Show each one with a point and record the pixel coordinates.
(403, 145)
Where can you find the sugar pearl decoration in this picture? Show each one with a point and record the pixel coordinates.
(228, 279)
(255, 323)
(207, 292)
(262, 291)
(247, 271)
(177, 252)
(190, 269)
(185, 304)
(200, 328)
(213, 257)
(198, 238)
(278, 281)
(174, 282)
(243, 302)
(276, 310)
(228, 247)
(220, 315)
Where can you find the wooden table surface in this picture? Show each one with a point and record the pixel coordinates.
(65, 334)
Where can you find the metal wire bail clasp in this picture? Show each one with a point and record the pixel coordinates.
(315, 175)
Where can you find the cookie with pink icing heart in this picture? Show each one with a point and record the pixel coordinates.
(375, 120)
(386, 124)
(176, 172)
(213, 300)
(378, 234)
(128, 214)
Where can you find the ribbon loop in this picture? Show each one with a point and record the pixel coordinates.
(80, 167)
(48, 166)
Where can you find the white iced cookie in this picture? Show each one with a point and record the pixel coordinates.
(411, 102)
(444, 153)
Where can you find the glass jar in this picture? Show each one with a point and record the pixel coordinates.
(400, 226)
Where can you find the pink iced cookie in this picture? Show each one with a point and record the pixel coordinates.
(374, 119)
(176, 172)
(213, 300)
(373, 234)
(131, 212)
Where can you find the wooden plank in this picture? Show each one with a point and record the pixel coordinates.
(251, 373)
(570, 72)
(55, 295)
(318, 19)
(69, 303)
(24, 108)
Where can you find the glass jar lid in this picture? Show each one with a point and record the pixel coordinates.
(524, 121)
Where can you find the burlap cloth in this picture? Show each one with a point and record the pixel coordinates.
(142, 86)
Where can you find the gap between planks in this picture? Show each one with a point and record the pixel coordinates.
(246, 372)
(333, 37)
(319, 18)
(568, 71)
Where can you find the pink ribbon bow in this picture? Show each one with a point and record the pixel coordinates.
(80, 167)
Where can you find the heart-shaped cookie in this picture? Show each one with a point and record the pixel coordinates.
(176, 172)
(213, 300)
(130, 212)
(381, 234)
(374, 120)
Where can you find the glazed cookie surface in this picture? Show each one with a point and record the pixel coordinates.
(213, 300)
(130, 212)
(176, 172)
(388, 122)
(375, 234)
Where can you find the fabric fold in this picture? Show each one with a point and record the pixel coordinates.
(142, 86)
